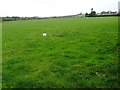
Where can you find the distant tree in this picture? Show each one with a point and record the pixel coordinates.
(87, 15)
(80, 14)
(91, 9)
(93, 13)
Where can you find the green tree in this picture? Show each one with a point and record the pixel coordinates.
(93, 13)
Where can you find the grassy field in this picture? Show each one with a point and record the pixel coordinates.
(77, 52)
(0, 54)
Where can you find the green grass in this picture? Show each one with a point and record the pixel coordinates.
(0, 54)
(77, 52)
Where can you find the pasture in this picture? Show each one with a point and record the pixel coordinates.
(76, 53)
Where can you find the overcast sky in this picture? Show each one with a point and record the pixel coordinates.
(45, 8)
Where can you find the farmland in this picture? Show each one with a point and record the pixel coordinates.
(77, 52)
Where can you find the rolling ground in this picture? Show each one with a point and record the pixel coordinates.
(77, 52)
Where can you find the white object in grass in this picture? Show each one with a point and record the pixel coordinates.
(44, 34)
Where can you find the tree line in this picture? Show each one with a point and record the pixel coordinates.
(92, 14)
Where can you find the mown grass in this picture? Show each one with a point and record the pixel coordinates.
(77, 52)
(0, 54)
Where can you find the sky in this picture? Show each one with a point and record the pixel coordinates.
(45, 8)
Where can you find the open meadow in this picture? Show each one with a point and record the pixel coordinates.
(77, 52)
